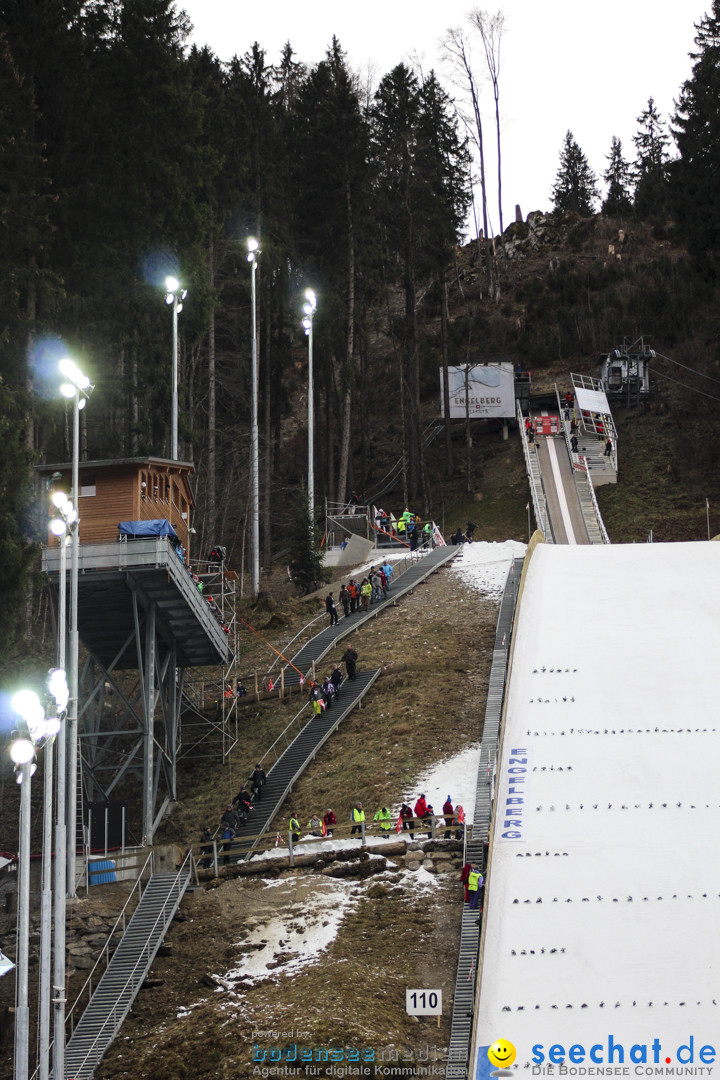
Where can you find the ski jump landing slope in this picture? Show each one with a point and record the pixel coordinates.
(601, 935)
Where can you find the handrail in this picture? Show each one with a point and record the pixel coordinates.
(541, 511)
(104, 952)
(285, 648)
(131, 976)
(596, 507)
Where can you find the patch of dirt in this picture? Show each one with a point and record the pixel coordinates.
(399, 930)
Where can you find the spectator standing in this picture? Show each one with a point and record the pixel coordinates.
(376, 582)
(336, 678)
(387, 568)
(230, 819)
(383, 816)
(315, 825)
(608, 448)
(448, 814)
(227, 838)
(294, 828)
(358, 817)
(475, 882)
(206, 848)
(420, 807)
(354, 590)
(349, 659)
(345, 600)
(471, 527)
(574, 444)
(406, 817)
(365, 594)
(464, 875)
(459, 822)
(331, 609)
(328, 821)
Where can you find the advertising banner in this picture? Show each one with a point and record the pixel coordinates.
(490, 390)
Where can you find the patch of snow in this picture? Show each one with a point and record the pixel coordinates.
(303, 930)
(484, 565)
(456, 777)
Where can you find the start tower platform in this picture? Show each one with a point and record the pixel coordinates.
(140, 610)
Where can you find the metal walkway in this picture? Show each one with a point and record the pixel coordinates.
(465, 980)
(566, 510)
(322, 643)
(295, 760)
(125, 973)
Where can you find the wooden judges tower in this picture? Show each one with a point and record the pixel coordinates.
(143, 606)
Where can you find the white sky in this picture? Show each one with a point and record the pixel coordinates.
(613, 892)
(564, 65)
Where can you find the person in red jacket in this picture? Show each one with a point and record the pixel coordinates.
(420, 807)
(328, 821)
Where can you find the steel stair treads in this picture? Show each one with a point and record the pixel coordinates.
(295, 760)
(465, 979)
(322, 643)
(125, 973)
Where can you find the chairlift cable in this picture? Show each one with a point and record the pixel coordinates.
(693, 370)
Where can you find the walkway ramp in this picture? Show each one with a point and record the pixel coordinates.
(125, 973)
(297, 757)
(422, 567)
(566, 516)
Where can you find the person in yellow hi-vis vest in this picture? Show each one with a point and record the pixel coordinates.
(474, 884)
(383, 816)
(358, 816)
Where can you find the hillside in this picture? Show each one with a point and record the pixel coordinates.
(564, 297)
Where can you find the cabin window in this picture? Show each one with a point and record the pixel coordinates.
(87, 485)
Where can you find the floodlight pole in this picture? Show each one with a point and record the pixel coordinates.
(311, 428)
(60, 875)
(72, 724)
(254, 452)
(174, 441)
(22, 1011)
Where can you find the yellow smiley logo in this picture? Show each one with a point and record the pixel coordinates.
(501, 1053)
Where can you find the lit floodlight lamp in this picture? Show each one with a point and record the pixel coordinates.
(307, 324)
(172, 284)
(69, 369)
(52, 727)
(67, 390)
(169, 298)
(252, 245)
(311, 299)
(81, 403)
(22, 751)
(27, 705)
(59, 499)
(58, 527)
(58, 687)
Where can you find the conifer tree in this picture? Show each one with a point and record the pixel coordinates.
(575, 186)
(651, 164)
(617, 177)
(696, 125)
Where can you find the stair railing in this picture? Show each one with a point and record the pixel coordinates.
(145, 953)
(104, 953)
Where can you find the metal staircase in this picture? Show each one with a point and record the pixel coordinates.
(295, 760)
(465, 979)
(125, 973)
(423, 564)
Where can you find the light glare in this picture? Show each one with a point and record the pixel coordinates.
(22, 751)
(57, 527)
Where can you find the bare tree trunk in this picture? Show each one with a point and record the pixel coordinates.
(211, 504)
(468, 440)
(269, 448)
(445, 318)
(491, 29)
(348, 367)
(456, 53)
(134, 416)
